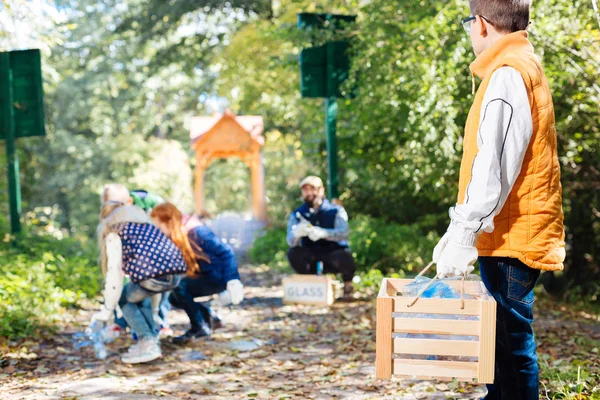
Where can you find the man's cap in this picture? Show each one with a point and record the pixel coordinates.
(313, 181)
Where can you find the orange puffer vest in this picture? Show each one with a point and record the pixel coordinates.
(530, 225)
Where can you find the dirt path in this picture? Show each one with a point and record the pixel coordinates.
(300, 352)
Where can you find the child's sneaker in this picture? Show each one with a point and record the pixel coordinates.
(145, 350)
(165, 331)
(203, 330)
(216, 321)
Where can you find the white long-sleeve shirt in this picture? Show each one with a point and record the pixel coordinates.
(505, 129)
(113, 285)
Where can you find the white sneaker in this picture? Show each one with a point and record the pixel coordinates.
(165, 332)
(142, 352)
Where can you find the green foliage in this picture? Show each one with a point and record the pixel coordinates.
(389, 247)
(28, 297)
(39, 275)
(227, 186)
(369, 281)
(577, 379)
(271, 249)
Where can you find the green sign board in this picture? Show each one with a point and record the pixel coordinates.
(22, 71)
(324, 21)
(313, 70)
(21, 115)
(323, 69)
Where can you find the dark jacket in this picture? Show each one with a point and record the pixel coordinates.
(329, 216)
(223, 266)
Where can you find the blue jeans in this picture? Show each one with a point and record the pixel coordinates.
(163, 310)
(137, 308)
(516, 372)
(183, 297)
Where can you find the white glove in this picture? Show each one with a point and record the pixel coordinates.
(437, 251)
(457, 259)
(317, 233)
(301, 230)
(234, 293)
(104, 315)
(224, 298)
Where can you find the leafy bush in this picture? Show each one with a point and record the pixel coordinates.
(271, 249)
(378, 244)
(40, 274)
(375, 243)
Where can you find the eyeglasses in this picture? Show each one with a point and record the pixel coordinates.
(466, 23)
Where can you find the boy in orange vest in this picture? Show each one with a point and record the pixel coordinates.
(509, 209)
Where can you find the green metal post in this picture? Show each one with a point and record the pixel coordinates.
(332, 162)
(8, 121)
(331, 121)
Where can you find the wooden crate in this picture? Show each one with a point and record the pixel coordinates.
(308, 289)
(391, 352)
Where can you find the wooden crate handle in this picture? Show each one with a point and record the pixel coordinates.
(426, 268)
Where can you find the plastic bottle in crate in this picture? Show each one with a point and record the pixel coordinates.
(438, 289)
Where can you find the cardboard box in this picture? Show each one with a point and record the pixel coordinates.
(308, 289)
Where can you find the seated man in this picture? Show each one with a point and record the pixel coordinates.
(318, 231)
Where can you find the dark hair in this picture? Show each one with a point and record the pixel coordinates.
(505, 15)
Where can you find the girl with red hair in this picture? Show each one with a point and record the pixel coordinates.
(215, 269)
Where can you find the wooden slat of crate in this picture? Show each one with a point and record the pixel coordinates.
(436, 306)
(434, 378)
(438, 347)
(437, 378)
(387, 289)
(383, 342)
(397, 284)
(455, 369)
(437, 326)
(471, 287)
(487, 338)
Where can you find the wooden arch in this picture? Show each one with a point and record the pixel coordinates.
(225, 136)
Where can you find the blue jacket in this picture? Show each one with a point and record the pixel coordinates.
(223, 266)
(329, 216)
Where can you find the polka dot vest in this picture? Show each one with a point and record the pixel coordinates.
(148, 253)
